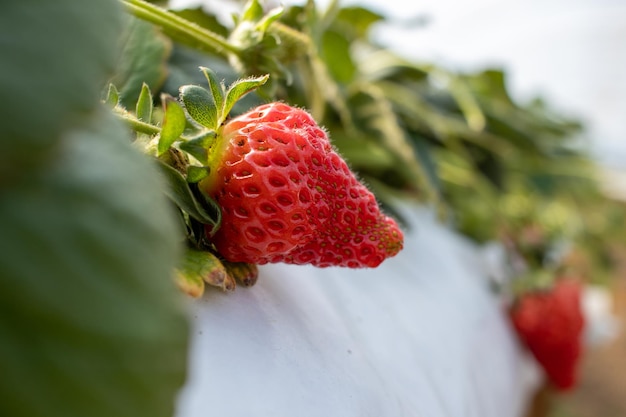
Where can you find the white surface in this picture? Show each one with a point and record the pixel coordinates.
(601, 324)
(419, 336)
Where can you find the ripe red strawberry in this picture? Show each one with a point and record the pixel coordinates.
(287, 196)
(550, 323)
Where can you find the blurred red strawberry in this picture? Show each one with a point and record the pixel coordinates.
(550, 323)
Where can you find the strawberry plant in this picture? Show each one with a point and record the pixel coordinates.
(140, 143)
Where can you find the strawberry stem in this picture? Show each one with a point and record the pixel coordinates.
(142, 127)
(134, 123)
(183, 30)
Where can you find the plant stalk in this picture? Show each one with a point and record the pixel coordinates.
(136, 124)
(183, 30)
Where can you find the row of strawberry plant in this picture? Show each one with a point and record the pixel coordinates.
(494, 169)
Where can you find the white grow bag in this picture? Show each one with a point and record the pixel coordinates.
(419, 336)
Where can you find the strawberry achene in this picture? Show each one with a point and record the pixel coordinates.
(287, 196)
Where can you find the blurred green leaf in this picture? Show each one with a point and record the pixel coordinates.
(467, 103)
(112, 97)
(491, 84)
(174, 123)
(90, 318)
(270, 17)
(252, 11)
(358, 20)
(56, 58)
(142, 59)
(195, 173)
(144, 105)
(512, 131)
(200, 207)
(362, 153)
(377, 113)
(382, 64)
(336, 55)
(428, 165)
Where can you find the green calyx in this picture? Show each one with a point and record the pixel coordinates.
(209, 108)
(184, 136)
(200, 267)
(193, 122)
(533, 281)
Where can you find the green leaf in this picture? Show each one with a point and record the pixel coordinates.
(200, 207)
(217, 89)
(143, 55)
(56, 59)
(467, 103)
(144, 105)
(427, 164)
(89, 315)
(271, 16)
(252, 11)
(363, 153)
(238, 89)
(198, 146)
(384, 64)
(337, 56)
(174, 123)
(491, 84)
(358, 20)
(195, 173)
(113, 96)
(200, 105)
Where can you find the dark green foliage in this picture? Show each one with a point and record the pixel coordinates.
(56, 56)
(91, 322)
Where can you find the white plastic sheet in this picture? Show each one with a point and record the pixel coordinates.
(422, 335)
